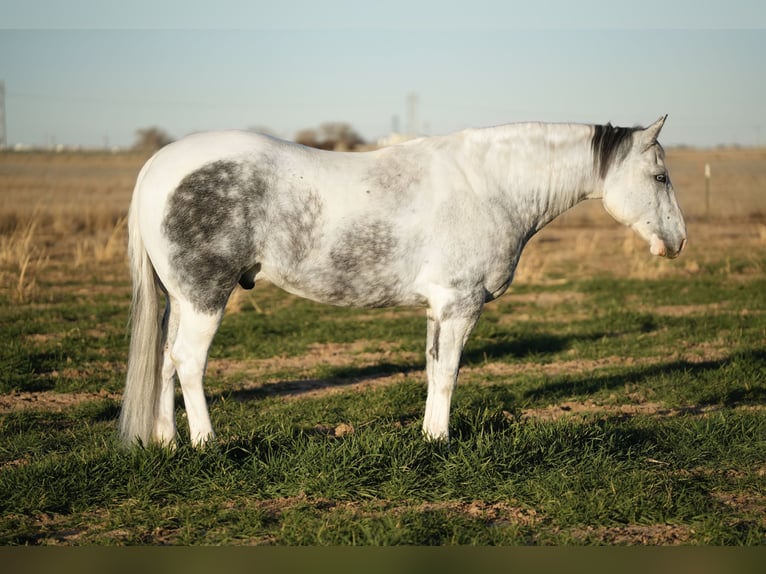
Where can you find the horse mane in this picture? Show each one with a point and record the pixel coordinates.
(610, 145)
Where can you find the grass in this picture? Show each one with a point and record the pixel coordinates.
(498, 482)
(350, 467)
(604, 400)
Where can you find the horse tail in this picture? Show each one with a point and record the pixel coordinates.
(142, 385)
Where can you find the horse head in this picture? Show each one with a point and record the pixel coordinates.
(637, 190)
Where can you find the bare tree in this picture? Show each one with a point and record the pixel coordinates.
(330, 135)
(307, 137)
(151, 139)
(339, 135)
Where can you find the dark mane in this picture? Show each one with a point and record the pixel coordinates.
(610, 145)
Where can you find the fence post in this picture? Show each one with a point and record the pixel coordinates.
(707, 191)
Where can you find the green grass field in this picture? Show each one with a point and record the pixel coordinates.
(601, 410)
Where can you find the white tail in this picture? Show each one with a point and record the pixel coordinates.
(139, 401)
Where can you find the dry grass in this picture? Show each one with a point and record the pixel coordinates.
(22, 259)
(103, 246)
(62, 211)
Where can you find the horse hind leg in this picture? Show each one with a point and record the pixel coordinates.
(189, 354)
(164, 430)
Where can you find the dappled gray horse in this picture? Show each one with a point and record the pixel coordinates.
(438, 222)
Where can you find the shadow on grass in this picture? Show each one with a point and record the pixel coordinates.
(519, 348)
(25, 371)
(744, 371)
(531, 345)
(336, 378)
(734, 380)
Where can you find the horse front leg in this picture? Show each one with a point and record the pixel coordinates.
(447, 334)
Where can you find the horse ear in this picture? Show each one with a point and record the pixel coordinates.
(650, 134)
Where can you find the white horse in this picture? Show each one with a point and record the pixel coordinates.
(437, 222)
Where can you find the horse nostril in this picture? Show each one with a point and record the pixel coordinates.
(683, 244)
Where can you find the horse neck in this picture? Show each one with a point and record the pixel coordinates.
(539, 170)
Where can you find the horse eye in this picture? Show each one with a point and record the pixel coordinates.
(661, 177)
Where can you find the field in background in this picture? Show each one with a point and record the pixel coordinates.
(608, 397)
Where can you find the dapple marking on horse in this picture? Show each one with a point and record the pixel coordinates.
(438, 222)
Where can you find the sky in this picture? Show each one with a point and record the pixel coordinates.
(91, 73)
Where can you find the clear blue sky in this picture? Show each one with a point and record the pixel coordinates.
(91, 73)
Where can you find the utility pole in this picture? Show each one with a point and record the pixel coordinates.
(412, 115)
(3, 139)
(707, 191)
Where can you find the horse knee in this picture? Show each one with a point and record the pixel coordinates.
(188, 367)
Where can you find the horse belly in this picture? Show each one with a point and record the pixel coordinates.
(368, 262)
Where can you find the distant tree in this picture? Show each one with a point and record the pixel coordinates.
(307, 137)
(330, 135)
(151, 139)
(340, 135)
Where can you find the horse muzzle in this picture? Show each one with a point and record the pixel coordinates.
(658, 247)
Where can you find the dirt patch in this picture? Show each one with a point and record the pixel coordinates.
(744, 503)
(636, 534)
(338, 431)
(590, 408)
(556, 367)
(49, 401)
(688, 310)
(546, 298)
(361, 353)
(491, 512)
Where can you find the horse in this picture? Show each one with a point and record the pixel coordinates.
(437, 222)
